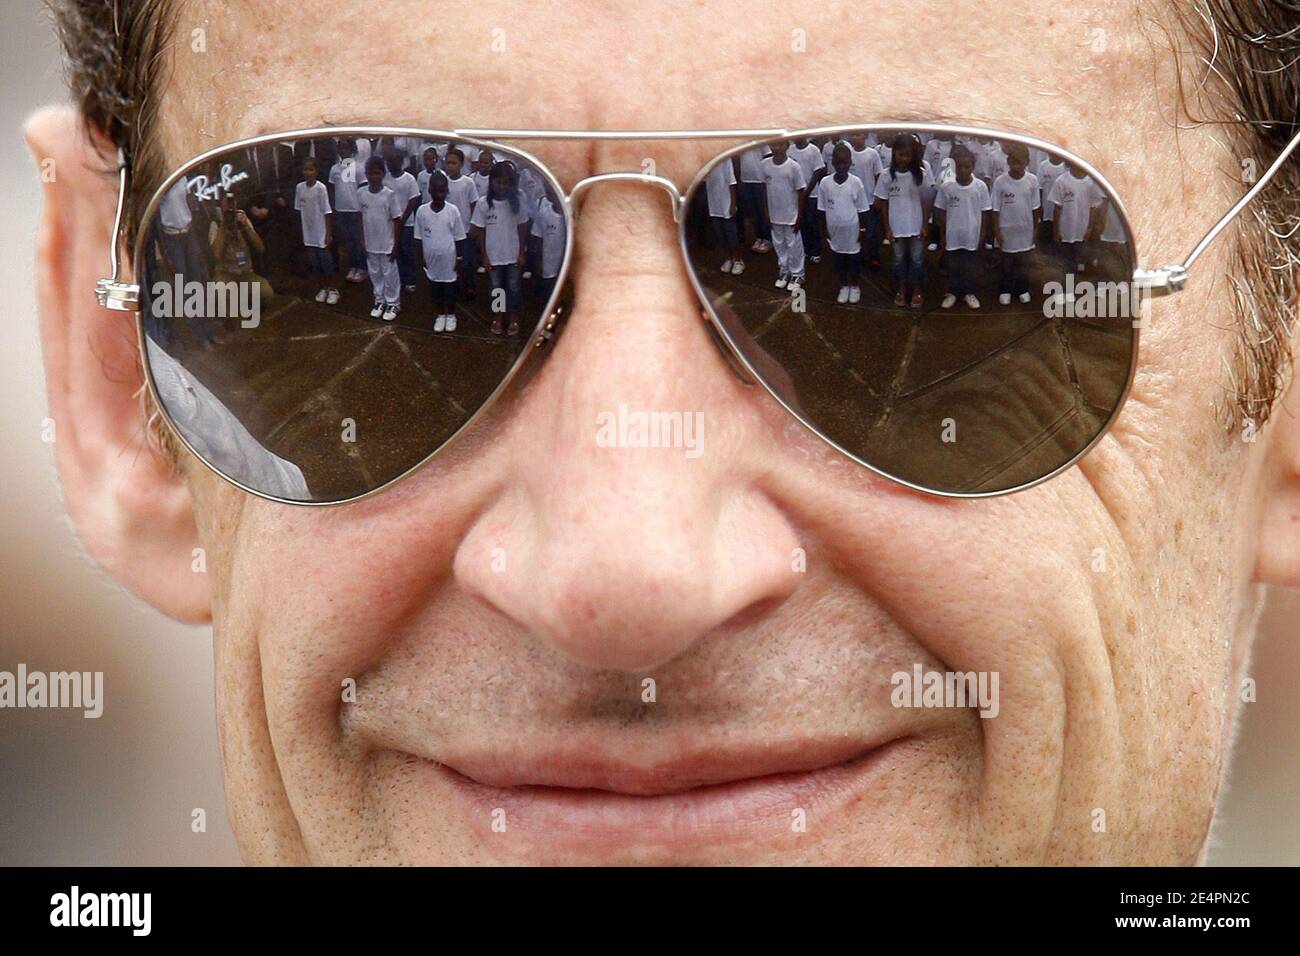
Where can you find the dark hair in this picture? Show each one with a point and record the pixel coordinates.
(374, 162)
(454, 151)
(961, 151)
(504, 166)
(436, 176)
(902, 140)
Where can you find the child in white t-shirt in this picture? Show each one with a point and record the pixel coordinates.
(381, 227)
(1048, 171)
(842, 200)
(720, 192)
(463, 194)
(346, 177)
(904, 194)
(784, 192)
(311, 200)
(547, 237)
(1074, 199)
(1016, 208)
(867, 167)
(809, 157)
(500, 227)
(439, 228)
(961, 210)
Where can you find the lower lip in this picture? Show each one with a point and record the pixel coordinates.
(758, 808)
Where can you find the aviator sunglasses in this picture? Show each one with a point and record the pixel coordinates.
(957, 309)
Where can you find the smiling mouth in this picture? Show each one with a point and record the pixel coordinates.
(706, 797)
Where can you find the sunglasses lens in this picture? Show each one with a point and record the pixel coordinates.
(956, 312)
(322, 315)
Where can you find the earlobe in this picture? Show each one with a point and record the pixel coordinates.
(132, 510)
(1278, 560)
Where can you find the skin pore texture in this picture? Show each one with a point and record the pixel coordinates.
(1118, 687)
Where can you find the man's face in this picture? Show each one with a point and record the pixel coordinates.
(575, 654)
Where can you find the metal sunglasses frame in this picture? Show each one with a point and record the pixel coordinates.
(116, 294)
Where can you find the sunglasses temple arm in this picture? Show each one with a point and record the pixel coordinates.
(113, 293)
(1168, 279)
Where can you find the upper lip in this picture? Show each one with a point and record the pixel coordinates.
(589, 768)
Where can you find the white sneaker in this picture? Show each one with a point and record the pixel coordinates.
(528, 275)
(814, 259)
(794, 285)
(390, 313)
(377, 311)
(726, 266)
(855, 295)
(971, 301)
(781, 281)
(933, 247)
(439, 323)
(320, 296)
(451, 321)
(332, 297)
(481, 270)
(1004, 298)
(757, 246)
(737, 267)
(948, 302)
(843, 297)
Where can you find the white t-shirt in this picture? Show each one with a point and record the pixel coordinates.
(548, 225)
(904, 197)
(842, 203)
(1048, 173)
(174, 210)
(749, 164)
(313, 204)
(936, 152)
(346, 177)
(378, 210)
(1015, 201)
(463, 193)
(1075, 199)
(500, 225)
(809, 159)
(438, 231)
(964, 207)
(783, 183)
(1114, 230)
(717, 185)
(866, 166)
(405, 188)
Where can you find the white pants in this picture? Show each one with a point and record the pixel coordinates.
(384, 278)
(788, 243)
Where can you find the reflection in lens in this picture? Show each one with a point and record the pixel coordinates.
(956, 311)
(322, 314)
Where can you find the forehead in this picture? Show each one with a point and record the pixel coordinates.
(629, 65)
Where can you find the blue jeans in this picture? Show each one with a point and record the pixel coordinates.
(909, 259)
(508, 278)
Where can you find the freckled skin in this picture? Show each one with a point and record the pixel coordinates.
(1117, 686)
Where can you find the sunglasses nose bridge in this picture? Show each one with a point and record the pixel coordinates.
(668, 186)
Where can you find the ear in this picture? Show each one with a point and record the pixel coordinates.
(131, 508)
(1278, 560)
